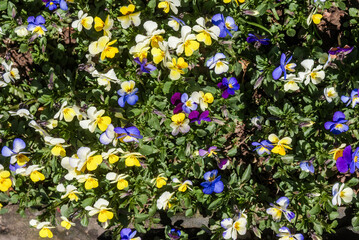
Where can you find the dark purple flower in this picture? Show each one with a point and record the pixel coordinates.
(337, 126)
(258, 39)
(144, 66)
(230, 86)
(176, 100)
(223, 163)
(174, 234)
(194, 116)
(349, 160)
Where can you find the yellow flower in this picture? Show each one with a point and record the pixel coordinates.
(228, 1)
(160, 181)
(5, 182)
(131, 159)
(45, 231)
(182, 186)
(337, 152)
(169, 4)
(157, 54)
(70, 192)
(100, 208)
(317, 18)
(105, 26)
(129, 16)
(139, 50)
(186, 43)
(66, 223)
(37, 176)
(89, 180)
(176, 68)
(83, 21)
(280, 144)
(95, 119)
(117, 178)
(103, 46)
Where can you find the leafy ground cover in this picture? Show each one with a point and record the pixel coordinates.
(240, 111)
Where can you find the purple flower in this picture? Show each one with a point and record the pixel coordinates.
(224, 25)
(353, 99)
(284, 66)
(36, 25)
(127, 93)
(209, 152)
(349, 160)
(129, 134)
(213, 183)
(144, 66)
(223, 163)
(174, 234)
(258, 39)
(230, 86)
(337, 126)
(263, 147)
(196, 117)
(307, 166)
(176, 100)
(188, 103)
(127, 234)
(52, 4)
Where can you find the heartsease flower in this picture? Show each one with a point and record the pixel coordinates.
(194, 116)
(337, 126)
(229, 86)
(284, 66)
(212, 183)
(280, 207)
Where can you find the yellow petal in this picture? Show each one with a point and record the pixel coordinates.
(37, 176)
(58, 150)
(99, 24)
(69, 113)
(91, 183)
(93, 162)
(103, 123)
(22, 159)
(132, 161)
(122, 184)
(113, 158)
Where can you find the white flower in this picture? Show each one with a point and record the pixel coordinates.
(11, 73)
(68, 113)
(70, 191)
(153, 35)
(341, 193)
(234, 228)
(21, 31)
(22, 113)
(37, 128)
(72, 171)
(315, 75)
(219, 65)
(95, 119)
(129, 16)
(330, 94)
(164, 201)
(83, 21)
(139, 50)
(169, 4)
(186, 43)
(206, 34)
(106, 79)
(85, 160)
(51, 123)
(40, 225)
(175, 23)
(291, 82)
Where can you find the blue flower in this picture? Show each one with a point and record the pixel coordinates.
(337, 126)
(174, 234)
(129, 134)
(307, 166)
(212, 183)
(256, 38)
(348, 160)
(127, 234)
(188, 103)
(280, 207)
(224, 25)
(263, 147)
(36, 25)
(284, 66)
(354, 98)
(230, 86)
(144, 66)
(285, 234)
(15, 153)
(127, 93)
(52, 4)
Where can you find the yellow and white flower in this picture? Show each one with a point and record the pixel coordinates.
(186, 43)
(202, 99)
(161, 53)
(22, 113)
(100, 208)
(44, 228)
(169, 4)
(182, 186)
(131, 159)
(103, 46)
(330, 94)
(164, 201)
(58, 143)
(89, 180)
(95, 119)
(206, 34)
(111, 155)
(140, 50)
(315, 75)
(86, 160)
(5, 181)
(160, 180)
(33, 172)
(83, 21)
(280, 144)
(105, 79)
(38, 128)
(66, 223)
(105, 26)
(291, 82)
(21, 31)
(341, 193)
(129, 16)
(51, 123)
(119, 179)
(153, 35)
(179, 124)
(11, 73)
(70, 192)
(176, 67)
(68, 113)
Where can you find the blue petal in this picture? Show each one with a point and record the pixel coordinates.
(282, 59)
(218, 187)
(6, 152)
(132, 99)
(209, 189)
(63, 5)
(184, 97)
(104, 139)
(217, 19)
(121, 101)
(18, 145)
(338, 116)
(328, 125)
(283, 202)
(277, 73)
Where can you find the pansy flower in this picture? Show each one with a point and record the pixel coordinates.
(229, 86)
(15, 153)
(186, 43)
(182, 186)
(105, 79)
(128, 234)
(176, 100)
(164, 201)
(140, 50)
(234, 228)
(83, 21)
(353, 99)
(105, 26)
(161, 53)
(11, 73)
(96, 119)
(36, 25)
(131, 159)
(337, 152)
(307, 166)
(89, 180)
(263, 147)
(284, 66)
(179, 124)
(66, 223)
(223, 163)
(202, 99)
(280, 207)
(339, 194)
(337, 126)
(219, 65)
(58, 145)
(145, 67)
(291, 82)
(111, 155)
(127, 93)
(285, 234)
(160, 180)
(330, 94)
(212, 183)
(188, 103)
(174, 234)
(44, 228)
(86, 160)
(280, 144)
(348, 160)
(208, 153)
(175, 23)
(340, 52)
(52, 4)
(169, 4)
(194, 116)
(109, 136)
(176, 67)
(103, 46)
(153, 35)
(5, 181)
(128, 134)
(314, 75)
(254, 38)
(119, 179)
(33, 172)
(225, 25)
(317, 18)
(70, 192)
(129, 16)
(205, 34)
(101, 208)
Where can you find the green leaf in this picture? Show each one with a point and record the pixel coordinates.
(352, 182)
(141, 217)
(318, 228)
(215, 204)
(87, 202)
(232, 152)
(146, 150)
(189, 212)
(247, 174)
(275, 111)
(355, 221)
(3, 5)
(291, 32)
(333, 215)
(167, 85)
(315, 210)
(85, 220)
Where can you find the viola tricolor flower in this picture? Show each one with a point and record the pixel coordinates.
(144, 66)
(52, 4)
(212, 150)
(188, 103)
(280, 207)
(164, 201)
(129, 134)
(337, 152)
(234, 228)
(337, 126)
(284, 66)
(36, 25)
(263, 147)
(212, 183)
(339, 52)
(194, 116)
(223, 163)
(230, 86)
(174, 234)
(349, 160)
(341, 193)
(14, 153)
(127, 93)
(353, 99)
(175, 23)
(129, 16)
(280, 144)
(179, 124)
(182, 186)
(285, 234)
(176, 100)
(219, 65)
(307, 166)
(261, 40)
(128, 234)
(225, 25)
